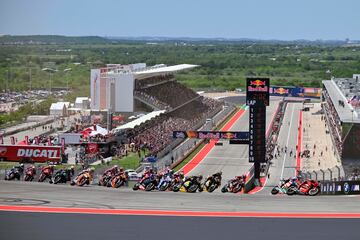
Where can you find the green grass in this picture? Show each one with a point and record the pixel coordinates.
(132, 161)
(189, 157)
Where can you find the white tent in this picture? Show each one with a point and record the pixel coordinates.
(139, 121)
(59, 109)
(99, 130)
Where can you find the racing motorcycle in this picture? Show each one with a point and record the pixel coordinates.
(47, 173)
(119, 180)
(13, 173)
(82, 179)
(234, 185)
(61, 176)
(147, 183)
(165, 182)
(212, 183)
(30, 173)
(176, 182)
(105, 180)
(289, 187)
(191, 185)
(309, 187)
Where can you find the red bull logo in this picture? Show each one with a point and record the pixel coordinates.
(281, 91)
(228, 135)
(258, 86)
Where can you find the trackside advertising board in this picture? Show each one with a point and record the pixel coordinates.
(34, 153)
(303, 92)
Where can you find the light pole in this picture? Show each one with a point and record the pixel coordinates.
(67, 78)
(50, 71)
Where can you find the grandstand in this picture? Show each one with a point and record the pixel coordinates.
(135, 88)
(341, 105)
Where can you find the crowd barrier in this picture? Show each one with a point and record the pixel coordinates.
(340, 187)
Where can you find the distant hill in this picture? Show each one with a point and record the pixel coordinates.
(51, 39)
(65, 40)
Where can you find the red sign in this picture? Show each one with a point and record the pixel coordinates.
(35, 153)
(93, 147)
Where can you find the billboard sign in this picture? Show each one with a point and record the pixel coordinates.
(257, 91)
(212, 135)
(35, 153)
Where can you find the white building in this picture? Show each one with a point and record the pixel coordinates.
(82, 103)
(59, 109)
(113, 87)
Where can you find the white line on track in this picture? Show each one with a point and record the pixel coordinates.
(235, 158)
(287, 141)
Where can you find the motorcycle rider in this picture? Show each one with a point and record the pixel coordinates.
(216, 177)
(89, 171)
(48, 172)
(112, 171)
(148, 175)
(193, 180)
(31, 169)
(18, 170)
(70, 172)
(167, 175)
(240, 178)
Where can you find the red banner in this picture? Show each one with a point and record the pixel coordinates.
(93, 147)
(35, 153)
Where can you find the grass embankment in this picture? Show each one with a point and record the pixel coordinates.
(202, 144)
(131, 161)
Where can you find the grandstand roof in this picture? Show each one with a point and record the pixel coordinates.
(161, 69)
(139, 121)
(346, 113)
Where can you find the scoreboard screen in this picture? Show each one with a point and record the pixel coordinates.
(257, 91)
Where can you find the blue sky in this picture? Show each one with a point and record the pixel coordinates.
(261, 19)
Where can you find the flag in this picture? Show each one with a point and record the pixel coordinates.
(36, 140)
(12, 140)
(355, 101)
(26, 140)
(49, 142)
(63, 144)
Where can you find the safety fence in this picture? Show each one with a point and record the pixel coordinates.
(330, 174)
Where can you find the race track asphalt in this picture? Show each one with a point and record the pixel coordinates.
(48, 195)
(19, 225)
(231, 159)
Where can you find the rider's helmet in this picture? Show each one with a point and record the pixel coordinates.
(121, 169)
(219, 173)
(72, 168)
(51, 167)
(151, 170)
(147, 168)
(22, 165)
(115, 167)
(92, 169)
(200, 177)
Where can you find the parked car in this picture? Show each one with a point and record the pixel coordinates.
(133, 175)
